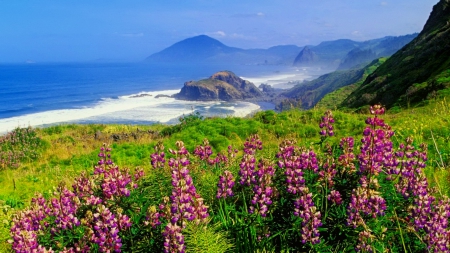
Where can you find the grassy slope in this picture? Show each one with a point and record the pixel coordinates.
(409, 76)
(73, 148)
(333, 99)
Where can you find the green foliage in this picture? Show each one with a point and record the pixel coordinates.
(19, 145)
(185, 122)
(428, 124)
(207, 239)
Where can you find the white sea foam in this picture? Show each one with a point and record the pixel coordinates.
(131, 108)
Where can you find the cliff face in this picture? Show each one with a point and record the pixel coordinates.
(223, 85)
(416, 72)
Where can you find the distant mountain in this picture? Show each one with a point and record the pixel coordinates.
(198, 48)
(419, 71)
(223, 85)
(306, 58)
(357, 57)
(208, 50)
(332, 54)
(326, 55)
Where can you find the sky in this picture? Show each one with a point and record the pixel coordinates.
(131, 30)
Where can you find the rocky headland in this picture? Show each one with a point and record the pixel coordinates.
(223, 85)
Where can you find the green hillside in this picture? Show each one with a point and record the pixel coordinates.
(311, 92)
(333, 99)
(417, 72)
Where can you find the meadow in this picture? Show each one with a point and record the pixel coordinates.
(295, 181)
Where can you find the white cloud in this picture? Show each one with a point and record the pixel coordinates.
(219, 33)
(260, 14)
(383, 3)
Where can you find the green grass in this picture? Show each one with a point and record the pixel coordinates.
(71, 149)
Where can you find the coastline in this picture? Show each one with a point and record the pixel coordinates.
(150, 107)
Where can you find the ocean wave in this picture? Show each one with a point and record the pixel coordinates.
(131, 108)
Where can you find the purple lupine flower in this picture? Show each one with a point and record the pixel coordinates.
(225, 185)
(64, 208)
(247, 165)
(185, 203)
(152, 217)
(294, 174)
(346, 160)
(328, 170)
(364, 239)
(115, 183)
(366, 200)
(106, 230)
(326, 124)
(305, 209)
(295, 162)
(203, 151)
(262, 188)
(231, 153)
(252, 144)
(84, 186)
(335, 197)
(411, 181)
(376, 154)
(173, 239)
(157, 158)
(27, 224)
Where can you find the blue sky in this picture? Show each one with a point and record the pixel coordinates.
(87, 30)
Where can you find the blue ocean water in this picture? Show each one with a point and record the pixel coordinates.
(39, 94)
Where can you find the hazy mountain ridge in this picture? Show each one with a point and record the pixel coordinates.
(340, 54)
(326, 55)
(418, 71)
(208, 50)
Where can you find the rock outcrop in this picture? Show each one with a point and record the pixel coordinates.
(223, 85)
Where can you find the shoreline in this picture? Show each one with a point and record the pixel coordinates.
(151, 107)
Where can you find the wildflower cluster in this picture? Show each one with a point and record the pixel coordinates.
(295, 163)
(247, 165)
(185, 203)
(15, 146)
(204, 151)
(262, 188)
(86, 206)
(157, 158)
(427, 214)
(376, 154)
(326, 124)
(225, 185)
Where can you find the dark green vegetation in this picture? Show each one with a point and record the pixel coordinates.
(223, 85)
(417, 72)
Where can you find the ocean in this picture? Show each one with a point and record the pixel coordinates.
(127, 93)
